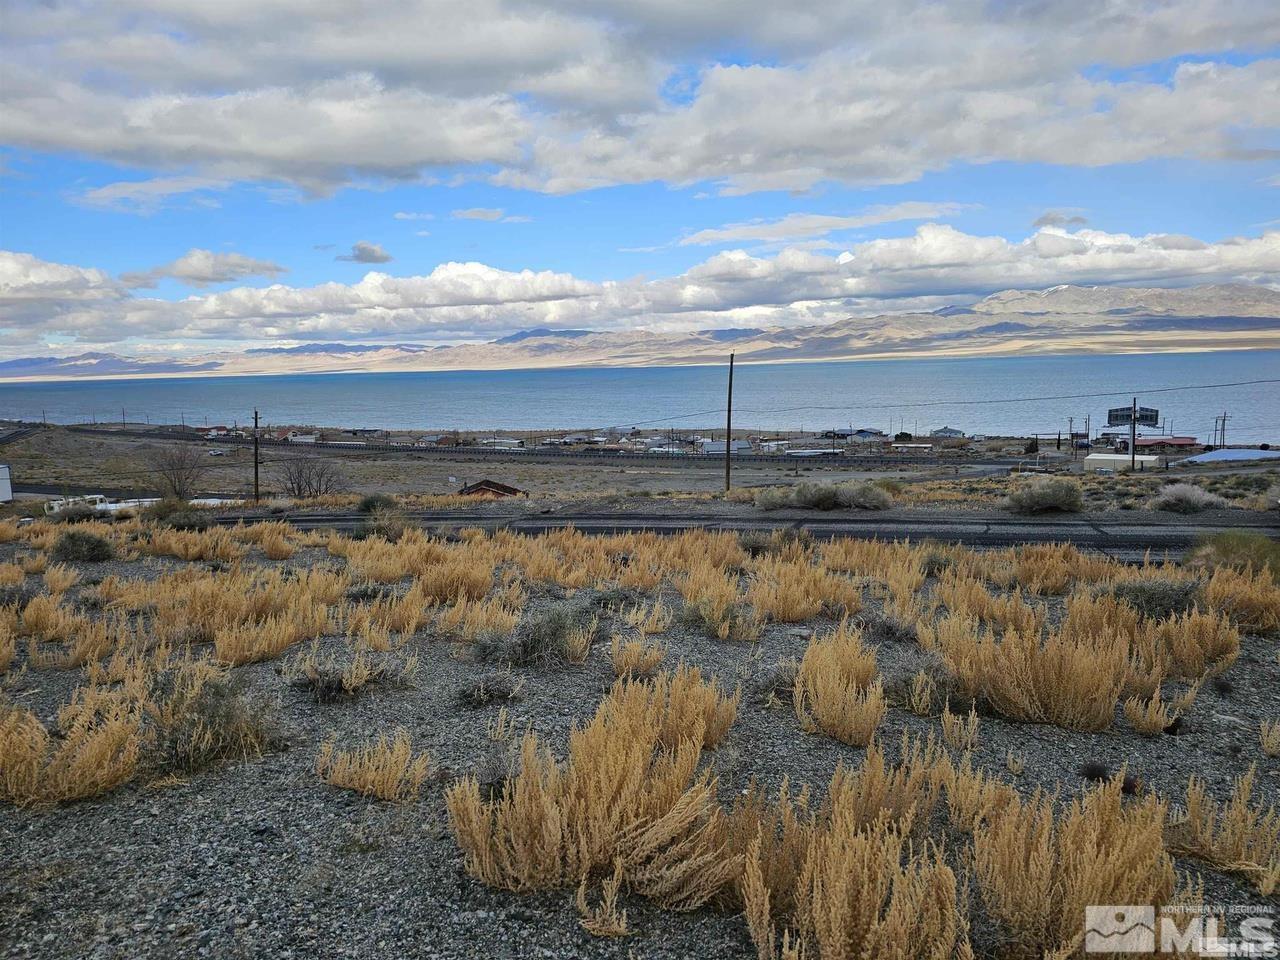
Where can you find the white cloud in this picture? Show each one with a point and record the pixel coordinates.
(199, 268)
(364, 252)
(1060, 218)
(478, 213)
(408, 215)
(491, 214)
(796, 226)
(147, 196)
(463, 301)
(571, 95)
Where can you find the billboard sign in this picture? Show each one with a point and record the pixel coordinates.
(1121, 416)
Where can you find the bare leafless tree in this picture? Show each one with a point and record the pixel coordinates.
(304, 477)
(177, 468)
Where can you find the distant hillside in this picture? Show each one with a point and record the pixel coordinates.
(1064, 319)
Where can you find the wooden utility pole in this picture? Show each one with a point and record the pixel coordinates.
(1133, 436)
(728, 431)
(256, 459)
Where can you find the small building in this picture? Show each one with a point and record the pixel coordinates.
(1120, 461)
(213, 433)
(1160, 443)
(297, 436)
(502, 443)
(715, 447)
(868, 435)
(947, 433)
(491, 488)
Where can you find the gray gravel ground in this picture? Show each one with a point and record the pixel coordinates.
(263, 859)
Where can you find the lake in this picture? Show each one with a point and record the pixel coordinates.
(977, 395)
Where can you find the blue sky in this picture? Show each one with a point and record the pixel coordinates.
(164, 163)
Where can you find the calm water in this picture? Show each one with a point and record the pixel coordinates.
(918, 394)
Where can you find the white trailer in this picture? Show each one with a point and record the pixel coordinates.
(6, 486)
(1117, 462)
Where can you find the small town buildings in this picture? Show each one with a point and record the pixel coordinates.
(948, 433)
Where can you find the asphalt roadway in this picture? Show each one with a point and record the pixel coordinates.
(1126, 540)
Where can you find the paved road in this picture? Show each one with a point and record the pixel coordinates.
(1123, 540)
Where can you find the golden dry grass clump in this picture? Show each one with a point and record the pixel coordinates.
(835, 688)
(1239, 835)
(648, 620)
(1268, 730)
(1036, 872)
(789, 588)
(625, 798)
(1071, 678)
(139, 715)
(97, 748)
(635, 658)
(1251, 599)
(386, 768)
(959, 732)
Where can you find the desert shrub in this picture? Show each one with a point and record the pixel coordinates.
(1158, 598)
(1186, 498)
(1046, 495)
(76, 546)
(76, 513)
(389, 523)
(886, 627)
(815, 496)
(1240, 550)
(371, 503)
(202, 717)
(330, 679)
(495, 687)
(825, 496)
(17, 595)
(864, 496)
(773, 498)
(178, 515)
(555, 633)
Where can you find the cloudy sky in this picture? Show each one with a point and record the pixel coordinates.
(181, 176)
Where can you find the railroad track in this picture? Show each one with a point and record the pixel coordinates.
(1123, 540)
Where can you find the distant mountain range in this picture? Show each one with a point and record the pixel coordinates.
(1065, 319)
